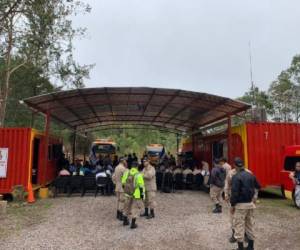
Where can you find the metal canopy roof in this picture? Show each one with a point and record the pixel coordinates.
(172, 109)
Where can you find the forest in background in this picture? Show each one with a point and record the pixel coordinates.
(36, 57)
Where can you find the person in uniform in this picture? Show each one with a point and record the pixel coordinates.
(243, 189)
(134, 192)
(151, 188)
(117, 180)
(227, 195)
(177, 170)
(225, 165)
(185, 172)
(295, 177)
(217, 182)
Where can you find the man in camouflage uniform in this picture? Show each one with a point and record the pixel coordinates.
(151, 188)
(227, 195)
(117, 180)
(242, 205)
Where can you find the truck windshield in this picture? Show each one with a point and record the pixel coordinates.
(104, 149)
(290, 161)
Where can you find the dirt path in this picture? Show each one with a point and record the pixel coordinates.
(184, 221)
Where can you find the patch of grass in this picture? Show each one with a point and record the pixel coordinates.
(23, 215)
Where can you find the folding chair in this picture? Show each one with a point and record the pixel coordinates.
(189, 180)
(75, 184)
(198, 181)
(101, 183)
(88, 183)
(178, 180)
(159, 180)
(168, 184)
(61, 183)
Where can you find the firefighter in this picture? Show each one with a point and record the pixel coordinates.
(217, 182)
(227, 195)
(151, 188)
(117, 180)
(242, 205)
(225, 165)
(134, 191)
(295, 176)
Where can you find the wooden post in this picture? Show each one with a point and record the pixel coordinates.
(177, 141)
(229, 139)
(74, 146)
(47, 128)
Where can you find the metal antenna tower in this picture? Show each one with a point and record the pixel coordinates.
(251, 76)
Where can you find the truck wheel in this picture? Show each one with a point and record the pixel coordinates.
(294, 199)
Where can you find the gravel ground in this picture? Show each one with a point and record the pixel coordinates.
(183, 221)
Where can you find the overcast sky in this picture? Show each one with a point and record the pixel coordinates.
(199, 45)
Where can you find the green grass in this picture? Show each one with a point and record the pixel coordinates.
(23, 215)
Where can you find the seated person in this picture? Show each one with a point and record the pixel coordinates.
(168, 169)
(78, 166)
(161, 168)
(205, 172)
(185, 172)
(86, 168)
(72, 168)
(64, 172)
(177, 170)
(197, 170)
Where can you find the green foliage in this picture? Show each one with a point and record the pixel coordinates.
(39, 34)
(132, 139)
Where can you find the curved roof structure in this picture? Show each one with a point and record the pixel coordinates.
(171, 109)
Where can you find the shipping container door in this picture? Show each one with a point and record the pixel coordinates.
(35, 160)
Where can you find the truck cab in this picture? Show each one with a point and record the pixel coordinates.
(102, 148)
(155, 153)
(290, 155)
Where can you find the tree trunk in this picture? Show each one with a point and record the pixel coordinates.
(5, 86)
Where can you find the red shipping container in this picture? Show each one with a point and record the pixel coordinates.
(26, 152)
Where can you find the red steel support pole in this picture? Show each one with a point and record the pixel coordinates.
(229, 140)
(47, 128)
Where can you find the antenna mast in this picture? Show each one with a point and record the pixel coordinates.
(251, 76)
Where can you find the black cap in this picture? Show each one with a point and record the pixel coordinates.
(238, 162)
(145, 159)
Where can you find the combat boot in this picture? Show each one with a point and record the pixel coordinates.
(133, 224)
(121, 216)
(146, 213)
(125, 221)
(232, 239)
(217, 209)
(250, 245)
(240, 246)
(151, 215)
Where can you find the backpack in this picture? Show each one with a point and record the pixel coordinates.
(129, 186)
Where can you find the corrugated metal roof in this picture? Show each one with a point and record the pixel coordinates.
(172, 109)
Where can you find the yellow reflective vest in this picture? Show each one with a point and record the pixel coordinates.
(138, 182)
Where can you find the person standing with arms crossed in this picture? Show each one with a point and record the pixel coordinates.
(151, 188)
(117, 180)
(243, 189)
